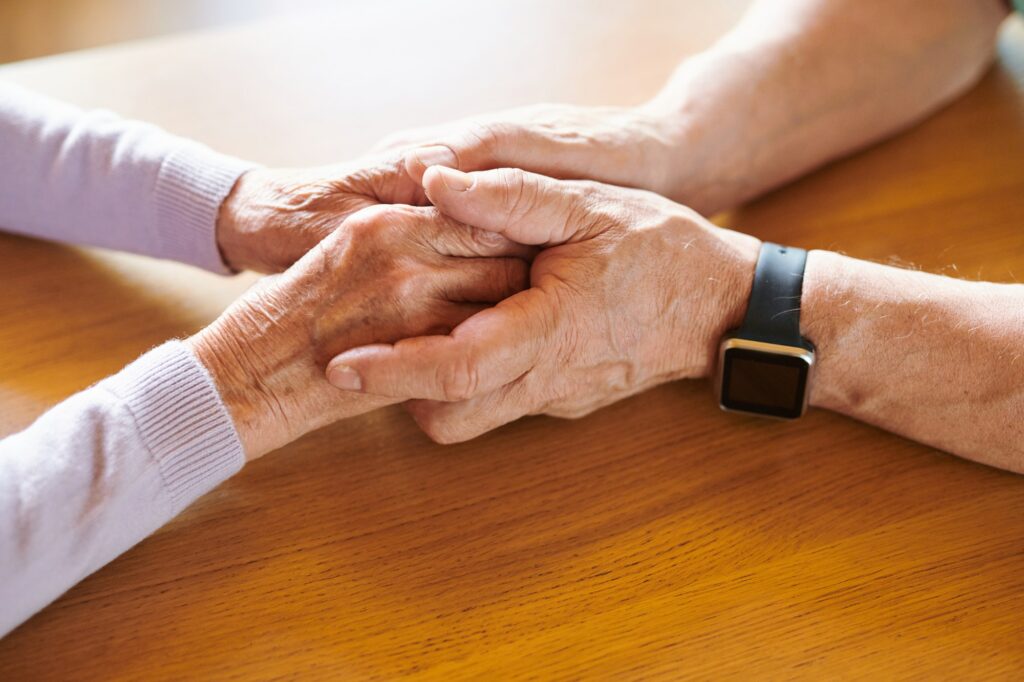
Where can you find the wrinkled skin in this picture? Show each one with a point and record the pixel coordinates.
(631, 291)
(389, 273)
(627, 146)
(272, 217)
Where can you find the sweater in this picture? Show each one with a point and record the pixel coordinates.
(99, 472)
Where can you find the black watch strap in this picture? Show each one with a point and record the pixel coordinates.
(773, 314)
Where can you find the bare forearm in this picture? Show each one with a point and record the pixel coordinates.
(800, 82)
(932, 358)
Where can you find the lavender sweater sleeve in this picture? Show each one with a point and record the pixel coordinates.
(93, 178)
(105, 468)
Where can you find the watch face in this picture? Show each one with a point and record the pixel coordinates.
(764, 383)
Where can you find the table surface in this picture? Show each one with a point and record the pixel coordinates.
(658, 538)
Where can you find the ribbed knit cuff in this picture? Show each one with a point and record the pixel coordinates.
(181, 419)
(193, 183)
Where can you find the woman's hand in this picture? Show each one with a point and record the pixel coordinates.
(633, 290)
(390, 273)
(272, 217)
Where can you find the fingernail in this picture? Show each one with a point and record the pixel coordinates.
(455, 180)
(437, 155)
(345, 378)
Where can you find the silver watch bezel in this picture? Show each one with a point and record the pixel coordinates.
(731, 341)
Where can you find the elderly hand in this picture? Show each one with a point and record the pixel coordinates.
(391, 272)
(640, 147)
(633, 290)
(272, 217)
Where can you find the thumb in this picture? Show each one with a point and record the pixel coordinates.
(524, 207)
(482, 145)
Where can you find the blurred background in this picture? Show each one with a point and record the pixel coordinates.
(37, 28)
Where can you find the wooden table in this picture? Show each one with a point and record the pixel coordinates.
(656, 539)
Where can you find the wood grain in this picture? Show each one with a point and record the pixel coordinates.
(656, 539)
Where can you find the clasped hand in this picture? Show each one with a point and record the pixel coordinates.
(629, 291)
(393, 267)
(384, 273)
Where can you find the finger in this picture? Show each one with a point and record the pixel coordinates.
(525, 207)
(487, 351)
(339, 333)
(480, 280)
(437, 233)
(481, 145)
(461, 421)
(449, 237)
(452, 315)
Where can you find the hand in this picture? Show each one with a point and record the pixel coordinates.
(633, 290)
(629, 146)
(391, 272)
(272, 217)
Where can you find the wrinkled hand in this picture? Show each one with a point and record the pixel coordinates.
(391, 272)
(629, 146)
(634, 290)
(272, 217)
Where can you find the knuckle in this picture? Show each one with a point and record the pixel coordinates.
(589, 208)
(360, 234)
(443, 433)
(368, 221)
(458, 380)
(519, 193)
(438, 428)
(410, 285)
(488, 136)
(568, 403)
(570, 413)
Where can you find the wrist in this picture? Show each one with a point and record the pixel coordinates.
(714, 300)
(845, 302)
(653, 140)
(235, 220)
(256, 353)
(272, 217)
(688, 158)
(733, 276)
(715, 139)
(220, 358)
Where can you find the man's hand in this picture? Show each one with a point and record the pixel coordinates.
(274, 216)
(633, 290)
(796, 84)
(389, 273)
(638, 147)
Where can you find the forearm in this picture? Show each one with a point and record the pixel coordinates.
(800, 82)
(93, 178)
(931, 358)
(104, 469)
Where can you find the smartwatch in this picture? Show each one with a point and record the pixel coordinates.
(765, 366)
